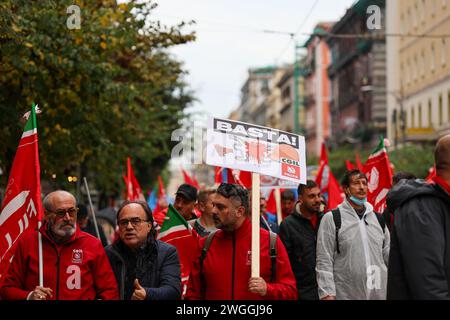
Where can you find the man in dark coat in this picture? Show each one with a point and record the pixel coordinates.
(299, 235)
(419, 262)
(145, 268)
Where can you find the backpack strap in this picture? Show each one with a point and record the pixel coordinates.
(273, 254)
(206, 246)
(337, 223)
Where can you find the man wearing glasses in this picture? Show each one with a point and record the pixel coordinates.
(75, 266)
(224, 272)
(145, 268)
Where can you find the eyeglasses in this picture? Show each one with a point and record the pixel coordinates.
(123, 223)
(60, 213)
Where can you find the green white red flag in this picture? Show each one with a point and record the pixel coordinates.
(22, 206)
(379, 174)
(176, 231)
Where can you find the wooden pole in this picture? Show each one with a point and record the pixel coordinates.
(278, 205)
(92, 209)
(255, 223)
(41, 260)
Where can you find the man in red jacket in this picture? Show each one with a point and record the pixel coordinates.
(75, 264)
(225, 273)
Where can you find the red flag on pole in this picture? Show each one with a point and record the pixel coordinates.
(327, 182)
(134, 191)
(189, 180)
(379, 174)
(359, 165)
(161, 195)
(350, 166)
(22, 206)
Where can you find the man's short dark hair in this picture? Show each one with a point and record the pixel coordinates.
(235, 192)
(288, 195)
(402, 175)
(349, 174)
(309, 185)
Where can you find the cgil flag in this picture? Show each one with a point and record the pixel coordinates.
(379, 174)
(22, 205)
(176, 231)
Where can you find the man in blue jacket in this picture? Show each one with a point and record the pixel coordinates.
(145, 268)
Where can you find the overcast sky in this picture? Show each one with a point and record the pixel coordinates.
(230, 39)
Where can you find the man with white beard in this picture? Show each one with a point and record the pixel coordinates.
(75, 264)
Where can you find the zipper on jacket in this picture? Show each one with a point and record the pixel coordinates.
(232, 266)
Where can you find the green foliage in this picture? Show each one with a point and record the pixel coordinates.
(107, 91)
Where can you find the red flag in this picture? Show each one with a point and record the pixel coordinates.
(134, 191)
(189, 180)
(359, 165)
(161, 195)
(218, 178)
(271, 204)
(22, 206)
(327, 182)
(350, 166)
(431, 175)
(379, 173)
(245, 178)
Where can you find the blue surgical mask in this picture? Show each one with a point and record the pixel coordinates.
(358, 201)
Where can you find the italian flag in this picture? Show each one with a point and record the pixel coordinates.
(22, 206)
(176, 231)
(379, 174)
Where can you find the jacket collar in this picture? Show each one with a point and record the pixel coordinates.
(347, 207)
(441, 182)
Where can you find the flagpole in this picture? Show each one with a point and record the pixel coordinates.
(255, 223)
(92, 209)
(41, 260)
(278, 205)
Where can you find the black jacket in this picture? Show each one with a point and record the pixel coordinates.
(300, 238)
(157, 269)
(419, 261)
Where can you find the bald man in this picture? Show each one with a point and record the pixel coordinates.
(75, 265)
(419, 263)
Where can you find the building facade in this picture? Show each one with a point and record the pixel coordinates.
(317, 90)
(358, 77)
(418, 92)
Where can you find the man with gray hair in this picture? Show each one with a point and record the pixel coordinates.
(75, 264)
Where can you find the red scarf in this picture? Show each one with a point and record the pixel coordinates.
(442, 183)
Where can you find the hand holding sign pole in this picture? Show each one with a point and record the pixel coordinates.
(255, 223)
(260, 150)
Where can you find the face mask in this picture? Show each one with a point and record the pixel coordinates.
(358, 201)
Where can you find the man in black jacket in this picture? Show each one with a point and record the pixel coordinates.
(299, 235)
(145, 268)
(419, 262)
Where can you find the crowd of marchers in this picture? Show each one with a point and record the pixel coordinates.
(348, 253)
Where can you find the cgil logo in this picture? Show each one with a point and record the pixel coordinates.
(290, 162)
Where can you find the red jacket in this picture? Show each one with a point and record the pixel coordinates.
(75, 270)
(227, 269)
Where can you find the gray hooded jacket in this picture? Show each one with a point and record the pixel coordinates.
(359, 271)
